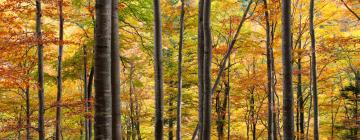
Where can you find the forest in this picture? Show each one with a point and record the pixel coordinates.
(179, 69)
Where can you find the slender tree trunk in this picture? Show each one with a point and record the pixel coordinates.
(103, 105)
(299, 89)
(271, 116)
(179, 100)
(310, 105)
(86, 98)
(159, 105)
(89, 99)
(313, 74)
(207, 71)
(228, 97)
(115, 72)
(231, 46)
(221, 112)
(252, 114)
(59, 77)
(288, 117)
(40, 71)
(200, 58)
(28, 122)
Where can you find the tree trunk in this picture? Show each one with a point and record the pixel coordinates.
(228, 96)
(103, 111)
(86, 98)
(310, 105)
(159, 105)
(313, 74)
(219, 109)
(231, 46)
(89, 99)
(200, 67)
(299, 88)
(252, 105)
(28, 122)
(207, 71)
(40, 71)
(271, 116)
(179, 100)
(115, 72)
(59, 77)
(288, 117)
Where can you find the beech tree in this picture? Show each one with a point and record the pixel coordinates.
(41, 120)
(159, 105)
(179, 99)
(115, 72)
(102, 69)
(59, 77)
(313, 72)
(288, 116)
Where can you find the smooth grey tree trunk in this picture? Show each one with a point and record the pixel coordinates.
(313, 72)
(102, 67)
(159, 105)
(201, 61)
(115, 72)
(59, 76)
(207, 71)
(179, 86)
(288, 113)
(41, 121)
(200, 58)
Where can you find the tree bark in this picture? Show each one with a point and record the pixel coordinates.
(159, 105)
(179, 100)
(313, 74)
(271, 123)
(207, 71)
(200, 58)
(103, 110)
(89, 99)
(59, 77)
(300, 98)
(115, 72)
(228, 95)
(288, 117)
(41, 130)
(86, 98)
